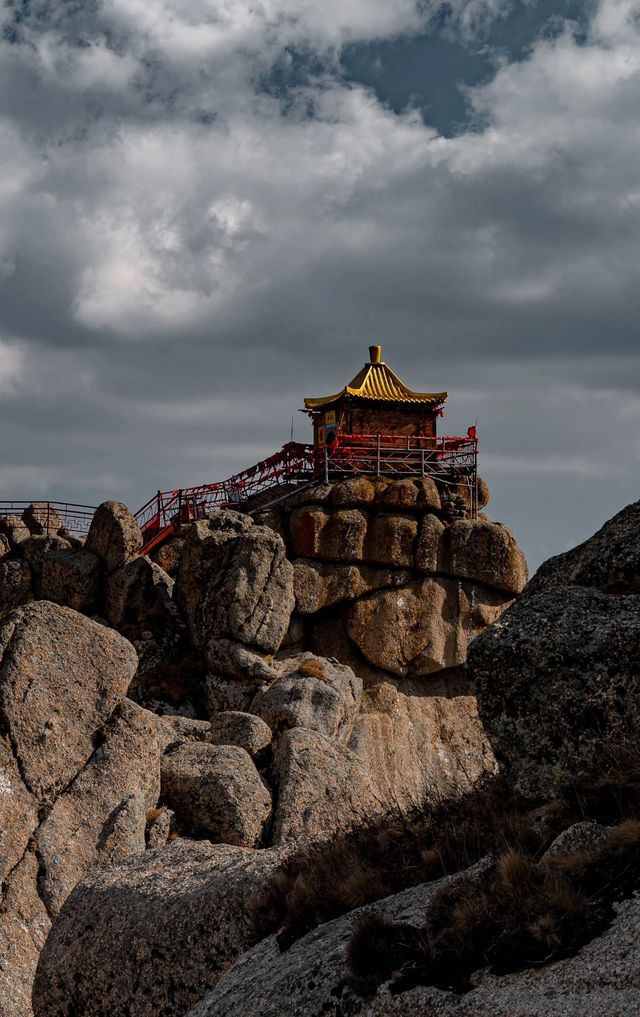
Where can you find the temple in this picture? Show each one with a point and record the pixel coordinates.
(375, 426)
(376, 401)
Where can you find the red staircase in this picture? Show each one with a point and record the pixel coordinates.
(450, 460)
(168, 510)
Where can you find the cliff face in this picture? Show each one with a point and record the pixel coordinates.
(558, 686)
(295, 677)
(288, 676)
(394, 579)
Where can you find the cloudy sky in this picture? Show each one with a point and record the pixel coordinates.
(209, 209)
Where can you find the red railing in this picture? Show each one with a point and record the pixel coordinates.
(165, 512)
(451, 460)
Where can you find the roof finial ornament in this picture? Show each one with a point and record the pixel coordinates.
(375, 354)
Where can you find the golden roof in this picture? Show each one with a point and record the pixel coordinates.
(376, 381)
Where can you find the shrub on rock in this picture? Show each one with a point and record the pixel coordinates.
(313, 693)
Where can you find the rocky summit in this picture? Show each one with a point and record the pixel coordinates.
(334, 757)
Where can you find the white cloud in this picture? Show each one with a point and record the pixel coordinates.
(12, 366)
(176, 232)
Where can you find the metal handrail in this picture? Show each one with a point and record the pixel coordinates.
(449, 459)
(75, 517)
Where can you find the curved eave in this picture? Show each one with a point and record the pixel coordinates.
(429, 399)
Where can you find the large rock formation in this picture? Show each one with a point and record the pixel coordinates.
(306, 664)
(61, 677)
(77, 773)
(409, 585)
(335, 631)
(150, 935)
(558, 677)
(609, 561)
(236, 588)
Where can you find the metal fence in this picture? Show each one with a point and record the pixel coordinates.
(52, 515)
(449, 460)
(452, 461)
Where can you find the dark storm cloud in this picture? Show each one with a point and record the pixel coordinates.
(198, 227)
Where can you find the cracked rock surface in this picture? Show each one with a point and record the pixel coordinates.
(78, 770)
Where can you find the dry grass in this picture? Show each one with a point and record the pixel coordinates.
(625, 836)
(519, 912)
(312, 669)
(372, 861)
(379, 950)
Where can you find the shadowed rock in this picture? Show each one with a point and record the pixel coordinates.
(72, 578)
(114, 535)
(42, 518)
(13, 528)
(609, 561)
(558, 684)
(149, 936)
(216, 791)
(15, 585)
(139, 599)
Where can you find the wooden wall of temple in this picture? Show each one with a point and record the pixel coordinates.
(389, 421)
(374, 420)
